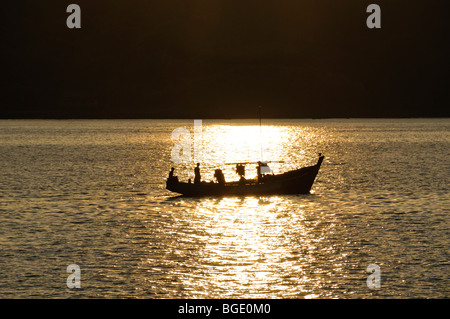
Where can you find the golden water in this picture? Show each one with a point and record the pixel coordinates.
(92, 193)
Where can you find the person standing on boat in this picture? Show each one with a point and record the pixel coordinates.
(171, 173)
(197, 177)
(258, 169)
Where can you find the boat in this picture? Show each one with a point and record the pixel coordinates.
(299, 181)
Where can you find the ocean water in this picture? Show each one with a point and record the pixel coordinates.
(92, 193)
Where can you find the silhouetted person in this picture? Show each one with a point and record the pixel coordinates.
(220, 177)
(172, 178)
(240, 169)
(197, 177)
(258, 168)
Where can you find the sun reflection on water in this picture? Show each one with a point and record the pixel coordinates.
(248, 250)
(225, 143)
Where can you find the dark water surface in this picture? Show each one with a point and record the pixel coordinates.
(91, 193)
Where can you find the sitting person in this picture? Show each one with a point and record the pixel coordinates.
(171, 177)
(220, 177)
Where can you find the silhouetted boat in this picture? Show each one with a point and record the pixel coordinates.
(298, 181)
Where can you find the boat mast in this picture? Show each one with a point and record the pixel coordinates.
(260, 133)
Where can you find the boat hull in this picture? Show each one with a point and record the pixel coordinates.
(294, 182)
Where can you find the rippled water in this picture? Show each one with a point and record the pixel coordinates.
(91, 192)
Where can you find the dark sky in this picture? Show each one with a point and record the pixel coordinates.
(223, 58)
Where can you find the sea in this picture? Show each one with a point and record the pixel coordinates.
(84, 212)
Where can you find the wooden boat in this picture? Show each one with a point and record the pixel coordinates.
(298, 181)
